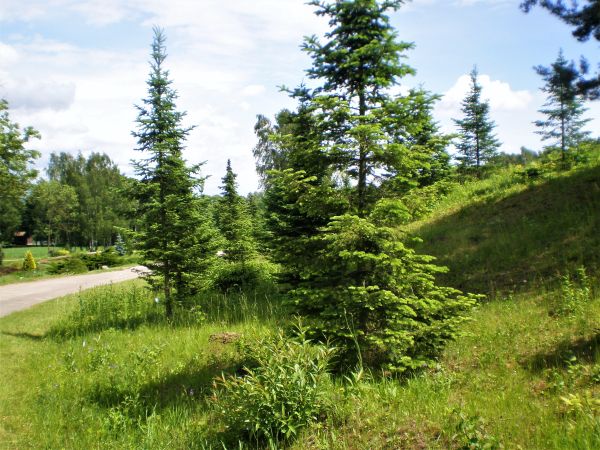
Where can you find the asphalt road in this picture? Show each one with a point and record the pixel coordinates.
(18, 296)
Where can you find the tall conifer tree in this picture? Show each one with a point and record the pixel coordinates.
(477, 144)
(177, 242)
(368, 136)
(564, 106)
(350, 144)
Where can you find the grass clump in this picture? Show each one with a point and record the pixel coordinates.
(109, 307)
(283, 390)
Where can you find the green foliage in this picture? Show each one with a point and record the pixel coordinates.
(16, 172)
(236, 276)
(100, 202)
(54, 252)
(477, 145)
(284, 389)
(376, 299)
(120, 246)
(52, 211)
(369, 135)
(470, 434)
(240, 266)
(108, 257)
(29, 262)
(113, 307)
(563, 108)
(575, 292)
(70, 265)
(176, 236)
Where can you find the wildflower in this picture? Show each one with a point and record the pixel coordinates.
(156, 300)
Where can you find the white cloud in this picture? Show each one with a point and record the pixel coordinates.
(499, 93)
(253, 90)
(83, 98)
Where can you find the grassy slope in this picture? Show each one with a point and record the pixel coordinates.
(502, 233)
(520, 376)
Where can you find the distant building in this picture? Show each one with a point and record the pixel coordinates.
(22, 238)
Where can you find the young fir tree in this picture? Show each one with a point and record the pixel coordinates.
(177, 242)
(477, 144)
(564, 106)
(356, 282)
(235, 222)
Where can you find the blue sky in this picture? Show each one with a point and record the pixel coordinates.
(74, 69)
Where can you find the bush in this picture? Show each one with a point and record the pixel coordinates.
(376, 299)
(58, 252)
(238, 276)
(29, 262)
(284, 391)
(72, 264)
(575, 291)
(108, 257)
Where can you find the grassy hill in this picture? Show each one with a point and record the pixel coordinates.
(505, 232)
(104, 370)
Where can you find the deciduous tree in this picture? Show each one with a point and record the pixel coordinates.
(16, 172)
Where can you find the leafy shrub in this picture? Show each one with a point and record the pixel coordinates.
(470, 433)
(58, 252)
(575, 291)
(284, 391)
(72, 264)
(29, 262)
(108, 257)
(242, 276)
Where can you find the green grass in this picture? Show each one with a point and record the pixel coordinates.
(103, 369)
(503, 233)
(12, 254)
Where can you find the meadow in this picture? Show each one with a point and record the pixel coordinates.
(104, 369)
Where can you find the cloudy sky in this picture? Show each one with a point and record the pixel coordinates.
(74, 69)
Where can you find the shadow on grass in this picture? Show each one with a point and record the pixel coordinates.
(24, 335)
(507, 242)
(192, 384)
(584, 349)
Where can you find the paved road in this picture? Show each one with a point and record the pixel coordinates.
(14, 297)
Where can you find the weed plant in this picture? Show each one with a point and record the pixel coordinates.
(284, 388)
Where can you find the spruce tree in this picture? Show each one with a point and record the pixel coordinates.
(477, 144)
(235, 222)
(563, 108)
(349, 146)
(177, 242)
(367, 134)
(584, 16)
